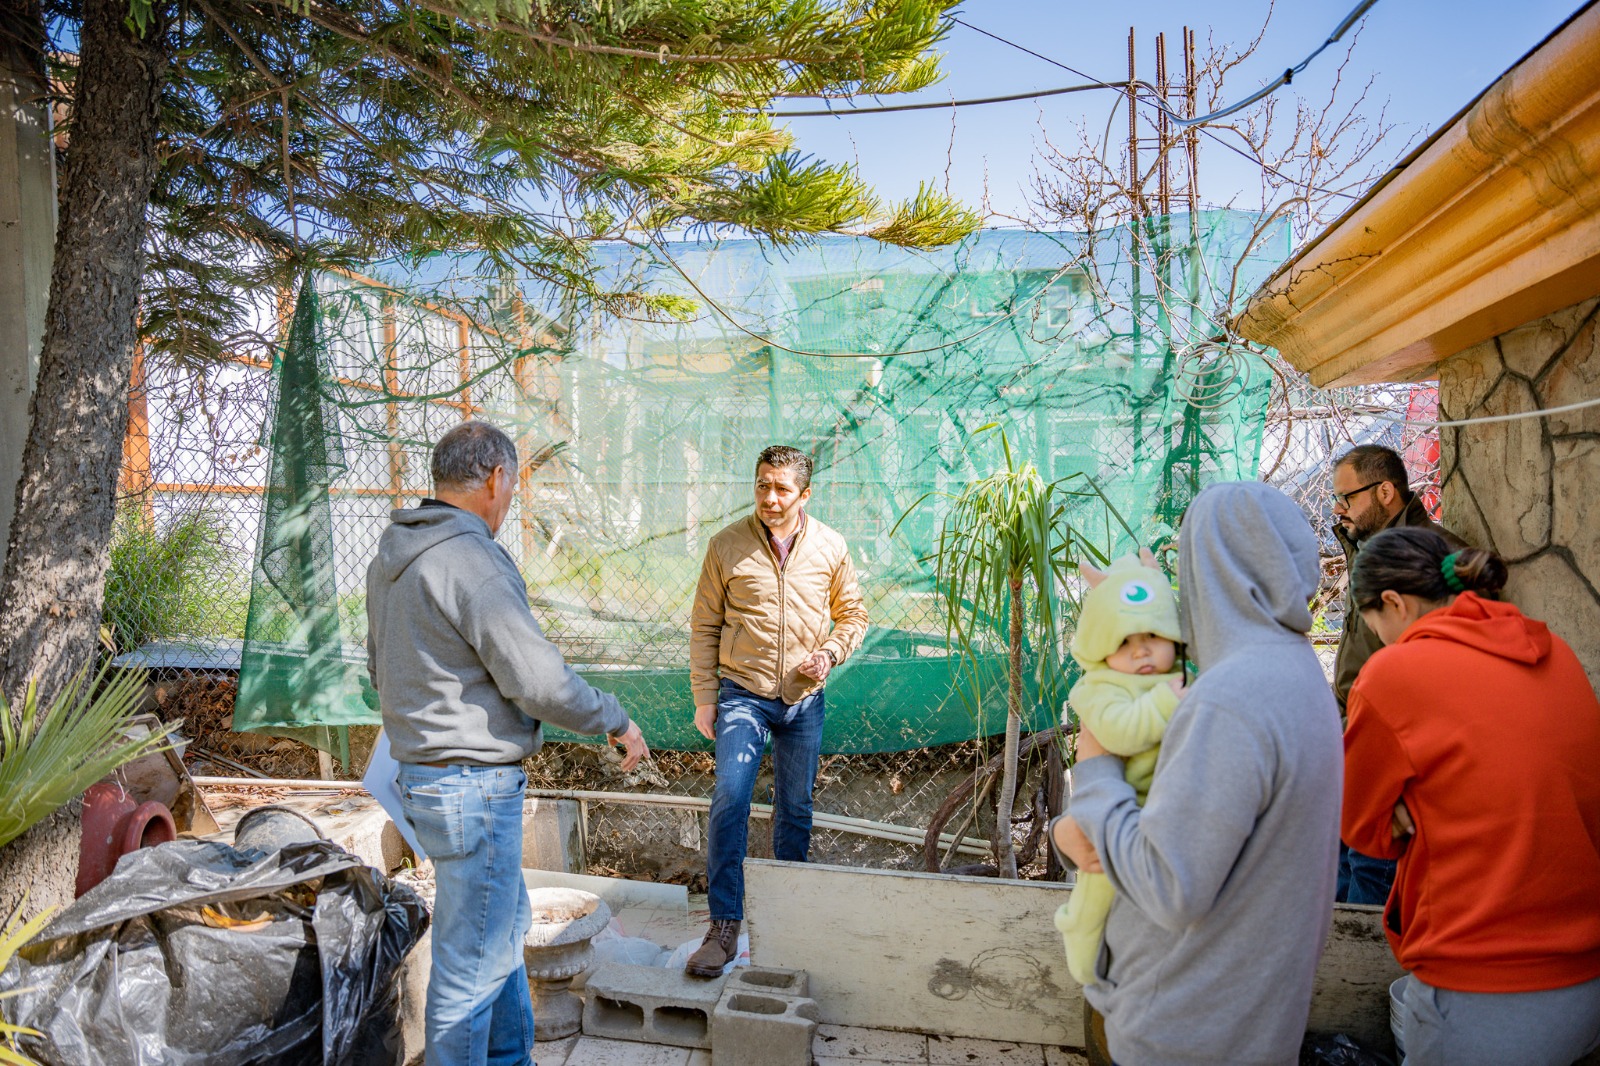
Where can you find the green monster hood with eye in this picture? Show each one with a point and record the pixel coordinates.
(1129, 597)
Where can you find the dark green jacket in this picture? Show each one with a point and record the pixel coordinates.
(1358, 641)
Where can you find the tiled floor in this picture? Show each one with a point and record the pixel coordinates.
(834, 1045)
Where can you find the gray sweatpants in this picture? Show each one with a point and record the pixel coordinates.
(1552, 1028)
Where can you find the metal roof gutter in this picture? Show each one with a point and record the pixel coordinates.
(1490, 223)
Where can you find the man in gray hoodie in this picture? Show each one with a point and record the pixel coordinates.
(1224, 877)
(464, 680)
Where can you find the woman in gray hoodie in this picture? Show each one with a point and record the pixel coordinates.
(1224, 879)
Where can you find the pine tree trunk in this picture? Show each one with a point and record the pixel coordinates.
(40, 867)
(54, 576)
(1005, 851)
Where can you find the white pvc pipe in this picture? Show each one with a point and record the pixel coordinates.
(277, 782)
(898, 834)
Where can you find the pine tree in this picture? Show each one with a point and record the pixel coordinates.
(219, 148)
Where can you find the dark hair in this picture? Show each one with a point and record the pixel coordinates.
(466, 456)
(1374, 462)
(780, 456)
(1411, 560)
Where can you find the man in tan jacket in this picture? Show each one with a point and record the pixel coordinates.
(776, 610)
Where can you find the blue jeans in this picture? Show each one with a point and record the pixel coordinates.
(469, 821)
(745, 721)
(1363, 879)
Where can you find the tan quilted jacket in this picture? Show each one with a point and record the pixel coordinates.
(754, 623)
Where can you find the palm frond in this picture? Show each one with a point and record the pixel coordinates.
(49, 755)
(15, 934)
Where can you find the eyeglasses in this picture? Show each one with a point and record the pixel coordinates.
(1342, 499)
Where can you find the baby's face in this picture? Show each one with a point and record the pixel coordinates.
(1143, 653)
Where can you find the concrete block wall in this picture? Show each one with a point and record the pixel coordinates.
(1530, 488)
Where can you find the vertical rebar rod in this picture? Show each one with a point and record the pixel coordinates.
(1134, 191)
(1163, 127)
(1191, 135)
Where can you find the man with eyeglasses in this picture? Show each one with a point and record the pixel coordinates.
(1371, 493)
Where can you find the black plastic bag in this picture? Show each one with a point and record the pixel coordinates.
(194, 953)
(1339, 1050)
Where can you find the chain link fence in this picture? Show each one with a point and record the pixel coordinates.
(609, 530)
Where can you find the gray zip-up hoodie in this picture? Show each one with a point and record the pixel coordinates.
(462, 670)
(1225, 877)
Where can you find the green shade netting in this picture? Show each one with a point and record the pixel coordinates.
(1094, 353)
(296, 671)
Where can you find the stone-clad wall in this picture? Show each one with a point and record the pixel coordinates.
(1530, 488)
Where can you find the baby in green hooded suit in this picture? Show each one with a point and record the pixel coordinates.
(1127, 643)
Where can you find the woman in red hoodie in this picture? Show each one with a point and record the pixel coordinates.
(1473, 757)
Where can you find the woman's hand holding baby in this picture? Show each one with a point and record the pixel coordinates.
(1088, 747)
(1074, 843)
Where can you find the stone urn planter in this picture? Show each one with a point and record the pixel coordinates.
(555, 951)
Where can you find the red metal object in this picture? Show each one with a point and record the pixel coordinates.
(114, 823)
(1421, 452)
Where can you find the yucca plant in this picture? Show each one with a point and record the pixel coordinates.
(1001, 562)
(50, 755)
(15, 934)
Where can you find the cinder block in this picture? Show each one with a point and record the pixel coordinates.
(770, 979)
(763, 1027)
(650, 1004)
(551, 836)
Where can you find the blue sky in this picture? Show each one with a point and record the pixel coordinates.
(1428, 58)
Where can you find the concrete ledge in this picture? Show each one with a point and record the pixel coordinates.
(977, 957)
(931, 953)
(552, 838)
(652, 1005)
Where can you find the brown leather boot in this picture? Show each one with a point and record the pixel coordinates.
(716, 951)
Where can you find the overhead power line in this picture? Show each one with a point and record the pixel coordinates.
(1200, 120)
(1172, 116)
(837, 112)
(1283, 79)
(1154, 98)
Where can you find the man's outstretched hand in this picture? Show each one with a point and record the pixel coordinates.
(634, 747)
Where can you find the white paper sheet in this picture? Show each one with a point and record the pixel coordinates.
(382, 783)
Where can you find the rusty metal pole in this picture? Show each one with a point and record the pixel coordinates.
(1163, 127)
(1191, 135)
(391, 408)
(1134, 192)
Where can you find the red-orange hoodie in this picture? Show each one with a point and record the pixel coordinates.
(1485, 724)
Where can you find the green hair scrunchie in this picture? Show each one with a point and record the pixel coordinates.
(1448, 568)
